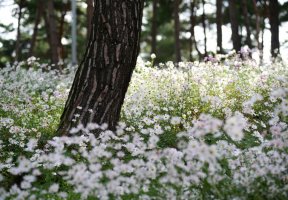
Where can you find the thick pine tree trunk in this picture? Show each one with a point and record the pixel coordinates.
(154, 28)
(234, 25)
(177, 31)
(219, 25)
(102, 79)
(274, 24)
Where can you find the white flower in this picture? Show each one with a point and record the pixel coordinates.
(175, 120)
(234, 126)
(54, 188)
(153, 56)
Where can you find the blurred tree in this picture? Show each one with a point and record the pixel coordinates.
(204, 27)
(248, 41)
(39, 11)
(274, 24)
(177, 31)
(18, 40)
(219, 4)
(52, 33)
(236, 39)
(154, 27)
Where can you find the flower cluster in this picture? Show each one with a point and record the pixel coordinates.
(213, 130)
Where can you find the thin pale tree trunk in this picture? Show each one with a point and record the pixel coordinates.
(102, 79)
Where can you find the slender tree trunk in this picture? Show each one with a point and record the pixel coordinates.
(39, 12)
(247, 24)
(177, 31)
(102, 79)
(257, 23)
(192, 25)
(154, 28)
(274, 24)
(61, 32)
(234, 25)
(204, 27)
(219, 25)
(52, 32)
(90, 8)
(17, 48)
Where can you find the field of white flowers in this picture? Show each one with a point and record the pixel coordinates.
(213, 130)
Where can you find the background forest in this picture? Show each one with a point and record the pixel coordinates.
(173, 30)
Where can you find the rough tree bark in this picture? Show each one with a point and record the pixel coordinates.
(234, 25)
(219, 25)
(154, 28)
(177, 31)
(39, 12)
(90, 8)
(274, 24)
(102, 79)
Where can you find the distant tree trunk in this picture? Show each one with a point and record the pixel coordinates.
(234, 25)
(102, 79)
(192, 31)
(257, 24)
(90, 9)
(154, 28)
(219, 25)
(274, 24)
(204, 27)
(52, 32)
(247, 24)
(39, 12)
(17, 48)
(177, 31)
(192, 25)
(61, 32)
